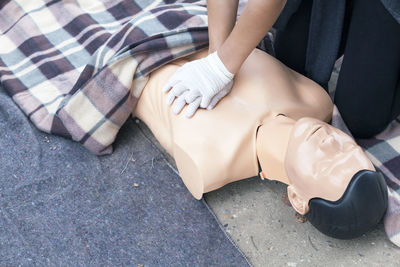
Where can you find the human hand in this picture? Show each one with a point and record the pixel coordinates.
(214, 101)
(192, 107)
(200, 83)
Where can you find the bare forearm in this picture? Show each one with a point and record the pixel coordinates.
(254, 23)
(221, 20)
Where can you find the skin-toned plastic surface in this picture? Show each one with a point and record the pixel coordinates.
(262, 118)
(219, 146)
(320, 162)
(319, 159)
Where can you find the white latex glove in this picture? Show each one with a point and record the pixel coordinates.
(203, 78)
(214, 101)
(180, 102)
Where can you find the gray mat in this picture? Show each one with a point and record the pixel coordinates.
(62, 205)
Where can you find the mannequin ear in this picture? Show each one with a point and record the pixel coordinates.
(299, 203)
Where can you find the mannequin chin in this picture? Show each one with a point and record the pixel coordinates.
(275, 117)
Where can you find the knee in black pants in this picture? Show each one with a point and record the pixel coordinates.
(367, 92)
(361, 126)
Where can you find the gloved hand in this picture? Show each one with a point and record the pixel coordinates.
(220, 95)
(180, 102)
(201, 82)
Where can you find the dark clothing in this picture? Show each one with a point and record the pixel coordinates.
(324, 31)
(311, 35)
(367, 93)
(393, 6)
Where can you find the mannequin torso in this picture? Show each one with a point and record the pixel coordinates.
(219, 146)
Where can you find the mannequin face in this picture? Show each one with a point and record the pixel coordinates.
(320, 162)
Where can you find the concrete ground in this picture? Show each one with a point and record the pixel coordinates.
(269, 233)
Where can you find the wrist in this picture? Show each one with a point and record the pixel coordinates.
(231, 57)
(211, 50)
(219, 66)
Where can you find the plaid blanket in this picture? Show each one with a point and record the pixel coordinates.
(68, 64)
(384, 152)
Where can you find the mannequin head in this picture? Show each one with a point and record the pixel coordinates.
(320, 162)
(332, 180)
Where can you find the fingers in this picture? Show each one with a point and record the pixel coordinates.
(217, 98)
(214, 101)
(171, 83)
(205, 101)
(176, 91)
(192, 107)
(191, 96)
(179, 103)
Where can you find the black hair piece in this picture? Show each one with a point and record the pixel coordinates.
(361, 207)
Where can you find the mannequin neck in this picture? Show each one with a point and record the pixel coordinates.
(272, 141)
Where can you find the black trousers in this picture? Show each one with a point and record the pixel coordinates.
(368, 88)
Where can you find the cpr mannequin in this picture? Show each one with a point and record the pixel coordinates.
(275, 118)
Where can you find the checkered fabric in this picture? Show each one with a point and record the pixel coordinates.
(77, 68)
(384, 152)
